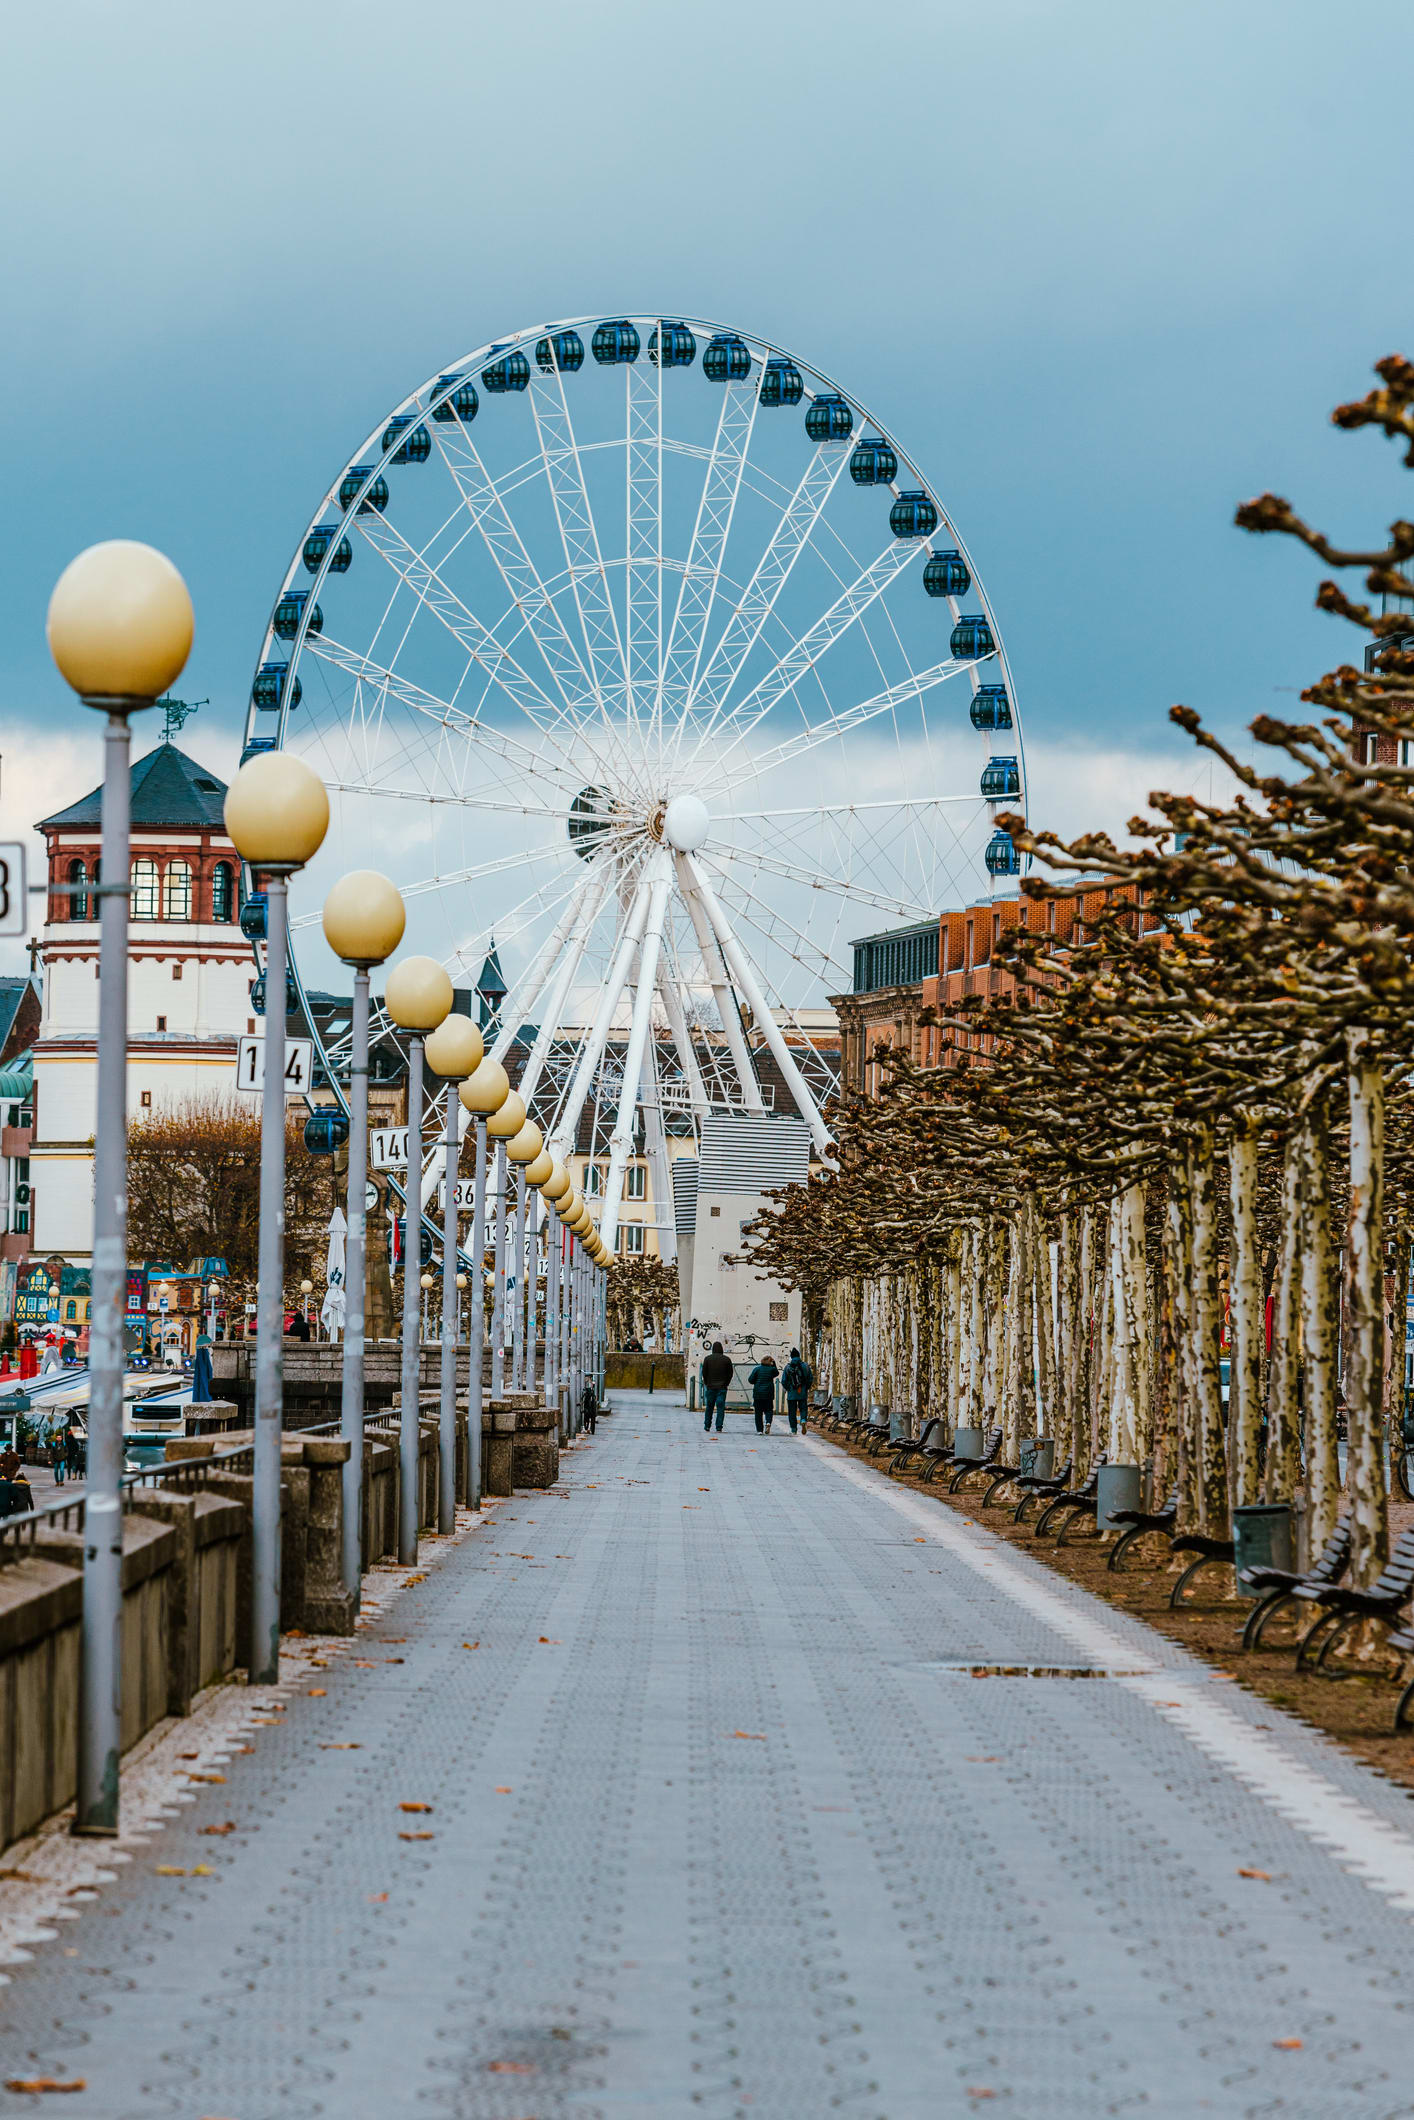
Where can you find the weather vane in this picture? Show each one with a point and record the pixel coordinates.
(177, 711)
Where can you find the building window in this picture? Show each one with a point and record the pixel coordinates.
(78, 895)
(71, 1311)
(223, 892)
(147, 1100)
(636, 1187)
(144, 889)
(162, 1023)
(593, 1180)
(177, 970)
(176, 891)
(630, 1237)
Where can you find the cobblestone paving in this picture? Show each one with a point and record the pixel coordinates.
(722, 1825)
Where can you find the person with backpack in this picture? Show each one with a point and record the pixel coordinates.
(763, 1393)
(796, 1379)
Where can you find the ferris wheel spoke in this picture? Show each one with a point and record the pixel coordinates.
(432, 801)
(811, 879)
(804, 654)
(643, 541)
(432, 594)
(566, 1121)
(586, 910)
(670, 994)
(698, 589)
(719, 978)
(446, 714)
(772, 923)
(788, 540)
(853, 717)
(658, 878)
(486, 505)
(579, 535)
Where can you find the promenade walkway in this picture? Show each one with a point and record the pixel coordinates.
(723, 1825)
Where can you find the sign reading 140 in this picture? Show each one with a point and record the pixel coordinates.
(299, 1065)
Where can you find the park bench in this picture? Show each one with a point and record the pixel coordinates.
(964, 1467)
(1139, 1522)
(1402, 1640)
(881, 1438)
(1084, 1497)
(1207, 1552)
(1278, 1586)
(1037, 1487)
(1343, 1606)
(1002, 1476)
(940, 1455)
(906, 1450)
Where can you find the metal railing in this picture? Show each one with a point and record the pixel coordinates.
(19, 1534)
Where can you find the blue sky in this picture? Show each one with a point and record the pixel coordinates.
(1103, 268)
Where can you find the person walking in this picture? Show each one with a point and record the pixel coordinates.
(763, 1393)
(58, 1457)
(796, 1380)
(717, 1373)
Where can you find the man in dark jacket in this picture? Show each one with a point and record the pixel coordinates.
(763, 1392)
(796, 1380)
(717, 1373)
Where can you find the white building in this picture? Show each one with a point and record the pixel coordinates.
(189, 978)
(742, 1157)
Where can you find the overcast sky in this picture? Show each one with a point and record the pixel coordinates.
(1103, 267)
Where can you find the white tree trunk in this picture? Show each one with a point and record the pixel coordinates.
(1365, 1271)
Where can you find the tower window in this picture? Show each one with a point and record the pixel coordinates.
(223, 892)
(176, 891)
(78, 895)
(162, 1023)
(177, 969)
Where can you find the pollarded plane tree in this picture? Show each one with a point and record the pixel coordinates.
(1260, 1026)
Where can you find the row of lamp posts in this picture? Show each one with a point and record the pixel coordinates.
(120, 629)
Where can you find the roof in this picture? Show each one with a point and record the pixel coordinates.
(167, 787)
(12, 993)
(751, 1152)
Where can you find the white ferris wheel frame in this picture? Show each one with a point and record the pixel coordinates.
(638, 678)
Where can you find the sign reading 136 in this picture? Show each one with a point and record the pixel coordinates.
(299, 1065)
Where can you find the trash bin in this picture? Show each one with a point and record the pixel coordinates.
(1119, 1488)
(900, 1425)
(967, 1442)
(1038, 1457)
(1261, 1535)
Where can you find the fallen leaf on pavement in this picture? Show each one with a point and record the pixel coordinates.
(511, 2068)
(979, 2090)
(414, 1807)
(551, 1642)
(228, 1827)
(202, 1869)
(1265, 1876)
(376, 1899)
(757, 1736)
(983, 1759)
(361, 1663)
(165, 1869)
(503, 1790)
(206, 1777)
(341, 1748)
(1288, 2046)
(319, 1692)
(188, 1755)
(44, 2083)
(417, 1836)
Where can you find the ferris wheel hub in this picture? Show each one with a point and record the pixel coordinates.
(686, 823)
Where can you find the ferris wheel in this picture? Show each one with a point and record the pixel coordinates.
(637, 648)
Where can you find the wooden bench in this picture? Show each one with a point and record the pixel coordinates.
(1207, 1553)
(1138, 1523)
(1280, 1587)
(906, 1450)
(1083, 1498)
(1343, 1606)
(964, 1467)
(1038, 1487)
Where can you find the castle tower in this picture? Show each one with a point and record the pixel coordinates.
(189, 977)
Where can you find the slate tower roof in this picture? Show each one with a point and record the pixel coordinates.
(167, 788)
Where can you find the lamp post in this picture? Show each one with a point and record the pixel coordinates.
(418, 998)
(120, 631)
(501, 1127)
(213, 1290)
(364, 918)
(482, 1095)
(425, 1285)
(461, 1291)
(277, 813)
(552, 1187)
(453, 1050)
(306, 1289)
(522, 1151)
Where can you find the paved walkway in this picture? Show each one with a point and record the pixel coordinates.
(724, 1825)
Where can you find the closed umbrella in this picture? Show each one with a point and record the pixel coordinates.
(331, 1316)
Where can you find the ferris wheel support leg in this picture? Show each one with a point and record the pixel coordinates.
(655, 1142)
(745, 978)
(520, 1002)
(722, 993)
(659, 882)
(682, 1041)
(553, 993)
(567, 1122)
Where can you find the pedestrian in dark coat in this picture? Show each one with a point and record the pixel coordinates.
(717, 1373)
(763, 1393)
